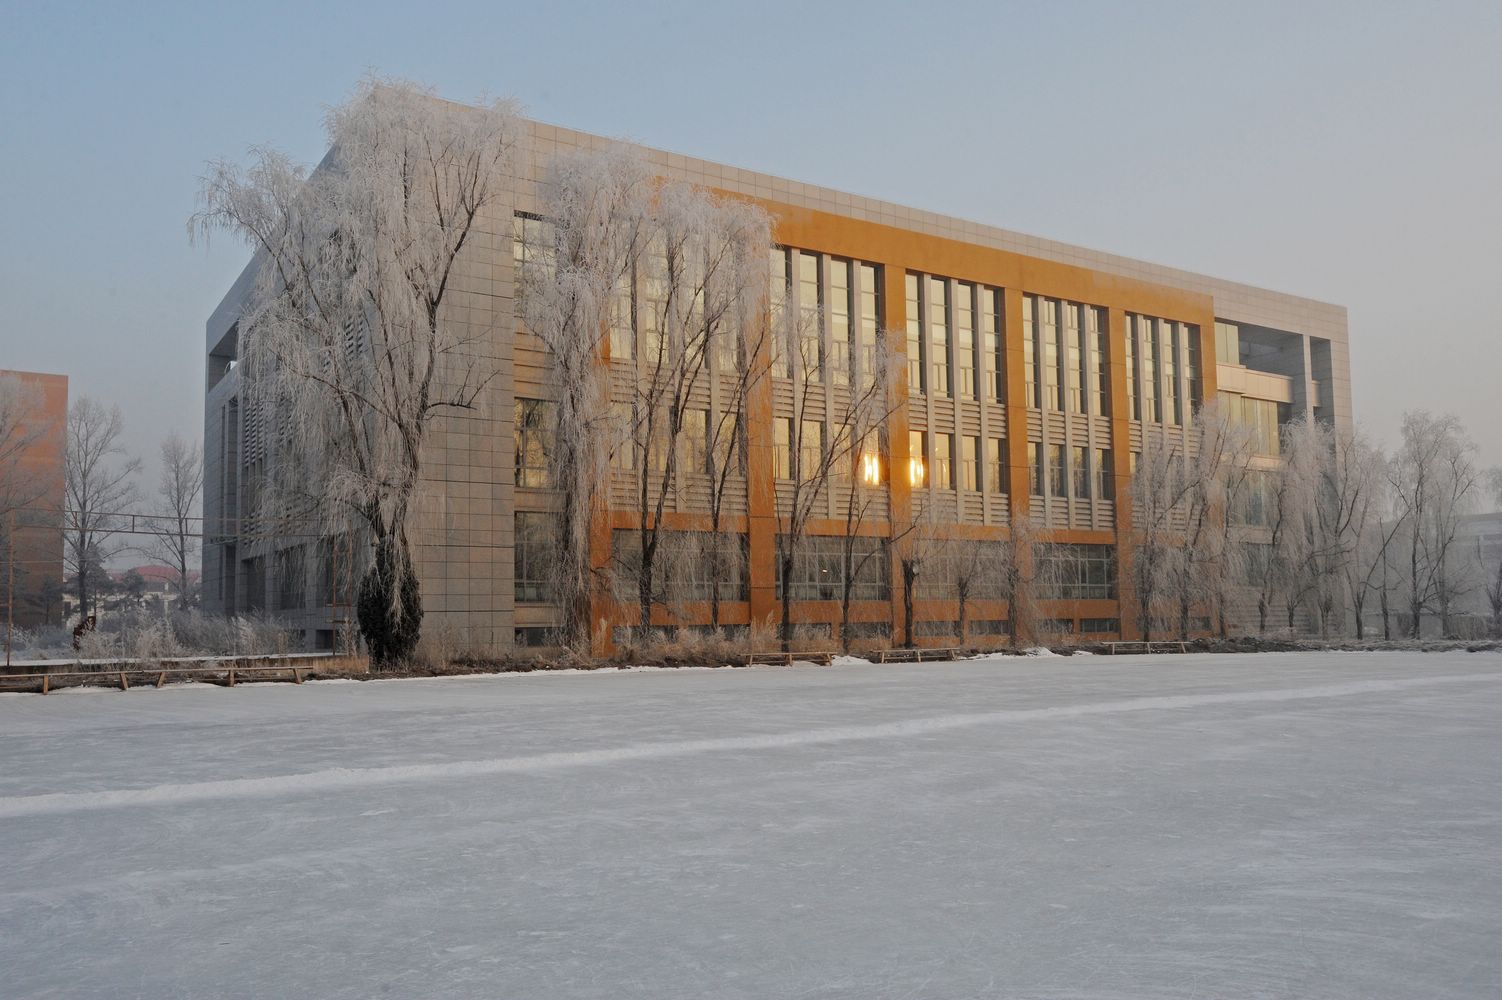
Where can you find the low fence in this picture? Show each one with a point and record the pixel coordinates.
(224, 670)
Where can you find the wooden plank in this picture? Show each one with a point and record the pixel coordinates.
(161, 678)
(124, 684)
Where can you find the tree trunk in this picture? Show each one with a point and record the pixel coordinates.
(909, 574)
(787, 601)
(1261, 614)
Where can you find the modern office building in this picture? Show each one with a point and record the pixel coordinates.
(1033, 369)
(31, 502)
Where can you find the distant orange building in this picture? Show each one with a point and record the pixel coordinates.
(37, 549)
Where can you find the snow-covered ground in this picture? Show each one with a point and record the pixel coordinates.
(1280, 825)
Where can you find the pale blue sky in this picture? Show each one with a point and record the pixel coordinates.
(1351, 152)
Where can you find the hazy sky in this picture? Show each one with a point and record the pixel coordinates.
(1348, 152)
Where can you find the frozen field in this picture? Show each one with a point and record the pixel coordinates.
(1281, 825)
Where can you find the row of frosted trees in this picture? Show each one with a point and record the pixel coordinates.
(1331, 534)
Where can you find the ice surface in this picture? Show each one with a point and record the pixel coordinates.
(1281, 825)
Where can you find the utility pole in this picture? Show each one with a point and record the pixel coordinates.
(10, 584)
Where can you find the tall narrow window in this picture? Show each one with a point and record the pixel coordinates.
(782, 447)
(696, 442)
(777, 314)
(811, 318)
(622, 324)
(1079, 472)
(970, 463)
(917, 461)
(841, 332)
(1099, 370)
(1134, 399)
(1030, 350)
(870, 300)
(944, 460)
(623, 455)
(964, 339)
(1056, 471)
(1052, 399)
(1171, 397)
(652, 281)
(1196, 390)
(937, 305)
(1035, 468)
(810, 450)
(997, 473)
(1105, 484)
(993, 344)
(1150, 372)
(534, 431)
(1074, 359)
(916, 358)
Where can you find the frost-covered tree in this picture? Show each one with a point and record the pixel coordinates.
(1370, 529)
(833, 405)
(100, 486)
(1202, 568)
(598, 210)
(1492, 573)
(1160, 488)
(1433, 479)
(699, 280)
(178, 502)
(346, 341)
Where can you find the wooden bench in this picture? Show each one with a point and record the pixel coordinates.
(788, 659)
(1139, 646)
(917, 654)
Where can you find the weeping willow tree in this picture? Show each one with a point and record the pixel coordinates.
(346, 351)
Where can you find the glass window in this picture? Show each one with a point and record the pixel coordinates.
(841, 332)
(1056, 471)
(943, 464)
(1052, 398)
(1105, 484)
(535, 544)
(1074, 359)
(964, 339)
(1192, 339)
(1030, 350)
(1150, 370)
(782, 447)
(1134, 401)
(810, 450)
(870, 301)
(696, 442)
(970, 463)
(533, 421)
(1227, 343)
(1100, 373)
(1171, 396)
(916, 358)
(1073, 572)
(937, 307)
(1035, 468)
(818, 571)
(533, 252)
(622, 323)
(1079, 472)
(997, 477)
(777, 313)
(994, 345)
(917, 449)
(811, 321)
